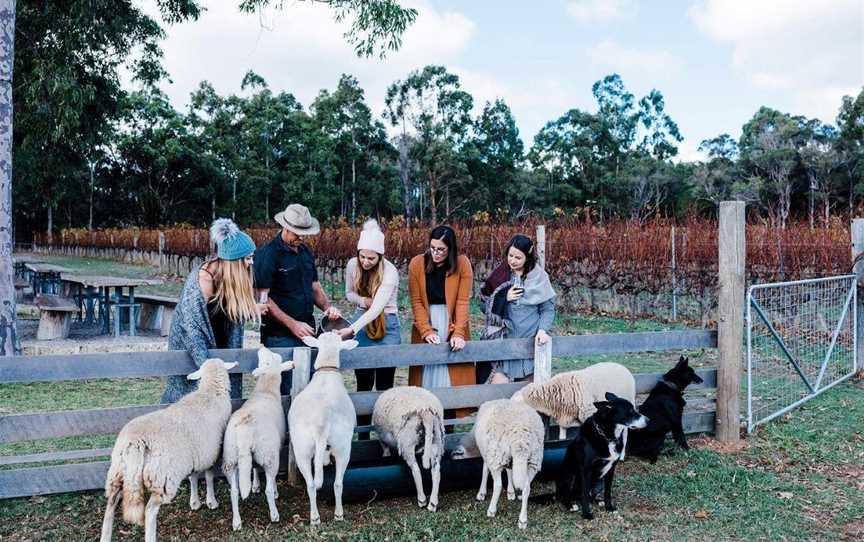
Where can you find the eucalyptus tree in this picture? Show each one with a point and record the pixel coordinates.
(432, 105)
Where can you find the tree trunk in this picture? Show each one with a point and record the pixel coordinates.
(9, 344)
(433, 199)
(403, 175)
(812, 204)
(213, 207)
(92, 187)
(353, 191)
(233, 198)
(50, 229)
(447, 202)
(267, 205)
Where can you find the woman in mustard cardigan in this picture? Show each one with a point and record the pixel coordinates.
(439, 284)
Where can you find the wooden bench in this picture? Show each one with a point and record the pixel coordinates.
(156, 312)
(56, 316)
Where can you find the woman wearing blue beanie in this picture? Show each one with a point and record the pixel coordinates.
(216, 302)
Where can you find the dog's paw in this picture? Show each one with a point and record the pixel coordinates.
(587, 515)
(611, 507)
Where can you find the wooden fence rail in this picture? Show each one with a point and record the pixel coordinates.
(85, 476)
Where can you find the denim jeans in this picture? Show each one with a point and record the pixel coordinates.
(380, 379)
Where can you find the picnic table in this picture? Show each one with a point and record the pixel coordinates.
(45, 277)
(20, 261)
(98, 288)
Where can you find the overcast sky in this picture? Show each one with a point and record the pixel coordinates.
(715, 61)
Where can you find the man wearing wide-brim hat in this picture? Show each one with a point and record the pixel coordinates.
(286, 276)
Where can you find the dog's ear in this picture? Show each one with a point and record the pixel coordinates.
(600, 405)
(611, 396)
(682, 362)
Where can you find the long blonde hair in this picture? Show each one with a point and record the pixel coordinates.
(234, 292)
(366, 283)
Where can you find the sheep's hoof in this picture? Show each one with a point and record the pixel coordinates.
(523, 524)
(195, 504)
(315, 521)
(433, 507)
(212, 504)
(491, 513)
(511, 496)
(256, 489)
(339, 517)
(421, 503)
(236, 524)
(481, 496)
(274, 517)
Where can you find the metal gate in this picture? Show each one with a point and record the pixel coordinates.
(800, 342)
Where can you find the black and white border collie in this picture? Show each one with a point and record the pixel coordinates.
(591, 458)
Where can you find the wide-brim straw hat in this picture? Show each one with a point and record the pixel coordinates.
(298, 219)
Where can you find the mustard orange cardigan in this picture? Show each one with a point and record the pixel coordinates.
(457, 294)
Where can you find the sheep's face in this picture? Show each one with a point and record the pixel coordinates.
(269, 361)
(328, 345)
(213, 370)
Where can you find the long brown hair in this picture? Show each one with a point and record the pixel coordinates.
(366, 283)
(446, 235)
(234, 292)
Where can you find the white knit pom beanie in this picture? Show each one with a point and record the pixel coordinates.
(371, 238)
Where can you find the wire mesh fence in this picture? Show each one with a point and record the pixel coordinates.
(800, 342)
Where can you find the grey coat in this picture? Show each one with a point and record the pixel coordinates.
(521, 321)
(191, 331)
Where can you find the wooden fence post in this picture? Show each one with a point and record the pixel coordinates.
(300, 379)
(730, 322)
(541, 246)
(543, 361)
(857, 232)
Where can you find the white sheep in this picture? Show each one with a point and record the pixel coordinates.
(256, 431)
(323, 416)
(569, 397)
(156, 451)
(404, 417)
(507, 434)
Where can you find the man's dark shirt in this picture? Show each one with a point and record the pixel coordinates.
(289, 275)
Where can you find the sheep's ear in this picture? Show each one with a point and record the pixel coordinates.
(194, 376)
(286, 366)
(229, 365)
(310, 341)
(349, 345)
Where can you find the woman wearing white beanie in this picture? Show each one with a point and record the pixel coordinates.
(372, 284)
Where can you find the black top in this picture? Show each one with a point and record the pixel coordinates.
(435, 286)
(220, 323)
(288, 274)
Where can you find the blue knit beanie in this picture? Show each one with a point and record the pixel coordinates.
(231, 243)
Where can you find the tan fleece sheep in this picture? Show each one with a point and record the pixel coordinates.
(507, 434)
(405, 415)
(156, 451)
(256, 431)
(569, 397)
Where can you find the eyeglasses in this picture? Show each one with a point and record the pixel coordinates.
(437, 250)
